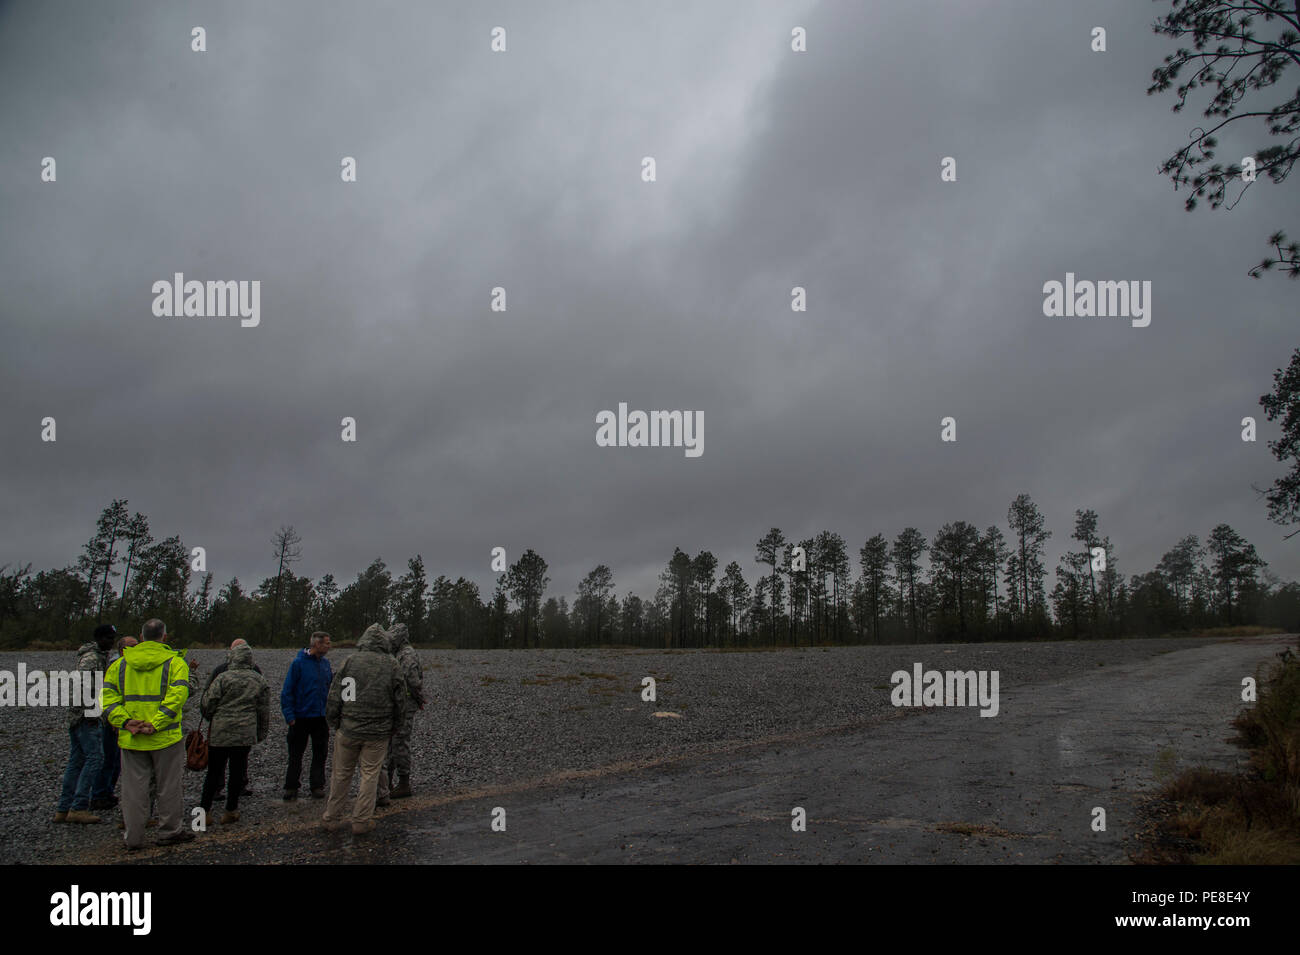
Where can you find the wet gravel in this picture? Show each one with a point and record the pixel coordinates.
(506, 717)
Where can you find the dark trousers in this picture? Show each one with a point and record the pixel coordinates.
(304, 728)
(217, 759)
(112, 768)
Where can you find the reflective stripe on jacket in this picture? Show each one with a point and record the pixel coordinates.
(149, 682)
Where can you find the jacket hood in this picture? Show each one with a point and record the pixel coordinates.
(91, 647)
(240, 657)
(399, 637)
(374, 640)
(148, 655)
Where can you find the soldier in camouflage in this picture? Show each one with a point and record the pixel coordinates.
(399, 750)
(85, 736)
(238, 702)
(365, 703)
(385, 777)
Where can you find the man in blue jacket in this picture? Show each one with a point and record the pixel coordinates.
(302, 701)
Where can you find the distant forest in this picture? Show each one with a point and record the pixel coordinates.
(963, 584)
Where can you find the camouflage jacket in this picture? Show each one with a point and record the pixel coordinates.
(409, 663)
(367, 694)
(238, 702)
(89, 659)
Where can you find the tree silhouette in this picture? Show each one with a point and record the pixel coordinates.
(1230, 56)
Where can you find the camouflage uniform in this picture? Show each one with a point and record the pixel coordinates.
(238, 702)
(399, 749)
(86, 744)
(89, 660)
(362, 725)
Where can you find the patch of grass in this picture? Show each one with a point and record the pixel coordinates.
(1252, 631)
(550, 679)
(1166, 763)
(1253, 818)
(1223, 818)
(1271, 729)
(974, 829)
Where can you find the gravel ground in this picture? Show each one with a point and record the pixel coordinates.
(506, 717)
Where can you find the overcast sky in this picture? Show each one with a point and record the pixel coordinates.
(522, 169)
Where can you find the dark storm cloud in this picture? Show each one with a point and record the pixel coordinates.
(522, 170)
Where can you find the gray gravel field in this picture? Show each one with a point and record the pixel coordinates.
(505, 718)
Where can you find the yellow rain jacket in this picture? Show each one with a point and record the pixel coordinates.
(149, 682)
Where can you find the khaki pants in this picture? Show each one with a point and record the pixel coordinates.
(167, 765)
(347, 754)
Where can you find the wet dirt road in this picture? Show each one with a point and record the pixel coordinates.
(938, 785)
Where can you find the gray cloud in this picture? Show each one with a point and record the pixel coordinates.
(522, 170)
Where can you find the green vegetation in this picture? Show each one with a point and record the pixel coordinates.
(963, 584)
(1250, 818)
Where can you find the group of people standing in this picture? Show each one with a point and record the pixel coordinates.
(370, 705)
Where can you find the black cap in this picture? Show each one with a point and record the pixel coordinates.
(105, 631)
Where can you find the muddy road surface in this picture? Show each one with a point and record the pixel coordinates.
(918, 785)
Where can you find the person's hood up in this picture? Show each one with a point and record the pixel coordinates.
(240, 657)
(374, 640)
(148, 655)
(399, 637)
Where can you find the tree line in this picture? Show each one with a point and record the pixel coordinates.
(963, 584)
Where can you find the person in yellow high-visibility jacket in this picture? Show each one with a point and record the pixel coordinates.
(144, 692)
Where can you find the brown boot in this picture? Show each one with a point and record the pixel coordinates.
(231, 816)
(82, 815)
(361, 828)
(61, 816)
(403, 789)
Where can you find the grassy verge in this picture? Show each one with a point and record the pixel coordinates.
(1210, 817)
